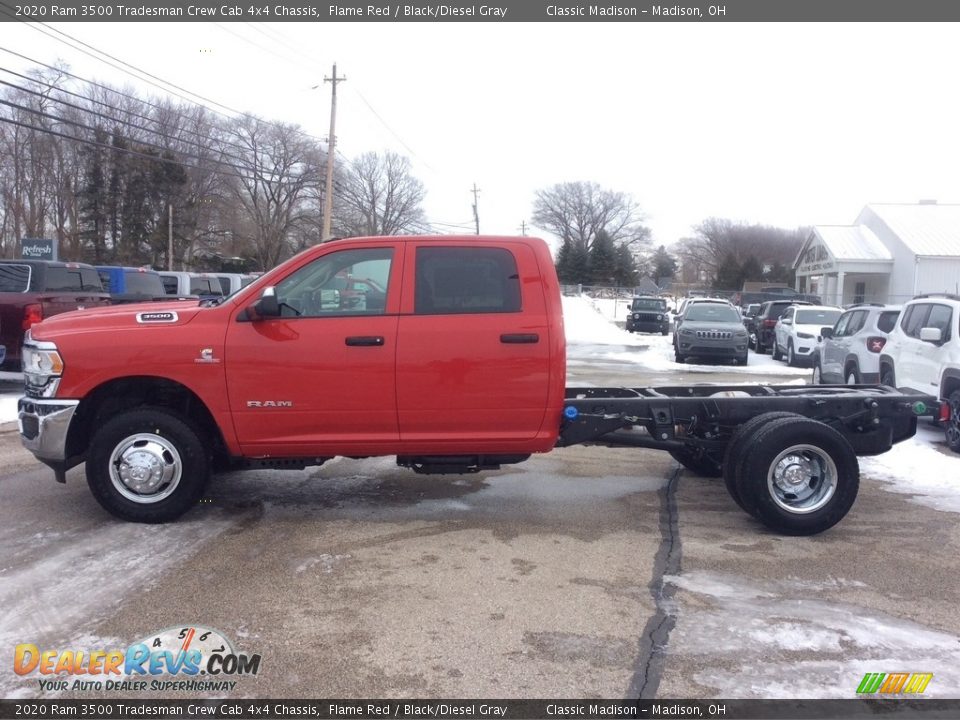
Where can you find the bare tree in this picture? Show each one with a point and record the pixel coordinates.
(378, 195)
(281, 166)
(578, 211)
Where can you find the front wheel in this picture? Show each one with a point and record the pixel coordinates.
(791, 355)
(801, 477)
(147, 465)
(775, 351)
(953, 422)
(817, 372)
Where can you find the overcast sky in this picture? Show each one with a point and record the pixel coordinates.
(784, 124)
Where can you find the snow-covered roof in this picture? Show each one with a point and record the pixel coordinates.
(852, 242)
(925, 228)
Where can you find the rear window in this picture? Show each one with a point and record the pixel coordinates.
(649, 304)
(887, 321)
(466, 280)
(72, 279)
(817, 317)
(143, 283)
(14, 278)
(224, 285)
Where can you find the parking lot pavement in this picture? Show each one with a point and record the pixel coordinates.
(584, 572)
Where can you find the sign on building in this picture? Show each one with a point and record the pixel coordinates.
(38, 249)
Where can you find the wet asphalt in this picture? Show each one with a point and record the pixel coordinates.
(586, 572)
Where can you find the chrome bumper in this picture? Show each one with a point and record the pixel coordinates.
(44, 425)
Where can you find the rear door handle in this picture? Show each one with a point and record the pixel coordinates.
(520, 338)
(365, 341)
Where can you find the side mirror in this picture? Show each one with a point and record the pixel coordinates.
(788, 321)
(931, 334)
(826, 332)
(266, 305)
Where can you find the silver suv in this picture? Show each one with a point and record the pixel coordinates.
(710, 330)
(923, 354)
(850, 350)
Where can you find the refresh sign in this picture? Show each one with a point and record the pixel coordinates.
(38, 249)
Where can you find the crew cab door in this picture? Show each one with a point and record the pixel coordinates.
(321, 376)
(473, 353)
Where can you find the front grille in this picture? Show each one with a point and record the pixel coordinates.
(645, 317)
(714, 334)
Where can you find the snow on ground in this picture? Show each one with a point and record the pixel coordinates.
(737, 615)
(8, 406)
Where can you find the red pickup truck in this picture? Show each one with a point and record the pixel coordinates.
(454, 361)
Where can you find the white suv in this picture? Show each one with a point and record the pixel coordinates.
(796, 332)
(923, 354)
(850, 351)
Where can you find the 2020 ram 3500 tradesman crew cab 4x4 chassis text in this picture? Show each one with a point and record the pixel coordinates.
(453, 359)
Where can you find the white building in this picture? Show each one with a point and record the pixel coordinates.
(891, 253)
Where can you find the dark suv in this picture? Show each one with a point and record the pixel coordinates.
(766, 320)
(648, 314)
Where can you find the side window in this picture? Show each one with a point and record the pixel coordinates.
(104, 280)
(856, 322)
(466, 280)
(841, 328)
(787, 314)
(915, 318)
(169, 285)
(348, 282)
(887, 321)
(940, 317)
(64, 279)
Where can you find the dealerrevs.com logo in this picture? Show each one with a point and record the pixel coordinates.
(191, 658)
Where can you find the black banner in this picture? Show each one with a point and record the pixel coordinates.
(477, 709)
(495, 11)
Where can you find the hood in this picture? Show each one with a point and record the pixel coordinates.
(732, 326)
(118, 317)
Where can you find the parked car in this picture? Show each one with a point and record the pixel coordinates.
(773, 293)
(131, 284)
(766, 320)
(850, 350)
(796, 333)
(648, 314)
(180, 284)
(923, 351)
(749, 314)
(711, 329)
(31, 290)
(231, 282)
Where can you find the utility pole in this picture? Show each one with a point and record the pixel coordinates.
(170, 236)
(476, 214)
(523, 227)
(331, 149)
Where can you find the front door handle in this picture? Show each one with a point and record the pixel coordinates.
(365, 341)
(520, 338)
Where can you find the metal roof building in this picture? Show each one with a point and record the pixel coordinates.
(891, 253)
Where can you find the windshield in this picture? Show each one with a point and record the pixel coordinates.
(712, 312)
(649, 304)
(817, 317)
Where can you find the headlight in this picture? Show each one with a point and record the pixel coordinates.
(686, 331)
(805, 336)
(636, 316)
(741, 333)
(659, 317)
(42, 368)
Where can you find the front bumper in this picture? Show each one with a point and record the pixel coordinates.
(44, 425)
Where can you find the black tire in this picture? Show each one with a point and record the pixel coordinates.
(851, 371)
(812, 505)
(775, 351)
(817, 376)
(704, 464)
(952, 426)
(678, 357)
(791, 355)
(664, 331)
(887, 376)
(164, 446)
(735, 452)
(745, 358)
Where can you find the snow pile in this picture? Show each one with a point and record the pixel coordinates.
(585, 324)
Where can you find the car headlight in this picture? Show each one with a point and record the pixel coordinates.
(742, 333)
(659, 317)
(636, 316)
(805, 336)
(42, 368)
(686, 331)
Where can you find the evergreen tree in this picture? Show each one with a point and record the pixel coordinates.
(751, 269)
(729, 275)
(626, 267)
(579, 265)
(602, 260)
(564, 257)
(664, 264)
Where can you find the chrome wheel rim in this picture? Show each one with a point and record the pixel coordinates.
(790, 355)
(817, 377)
(953, 424)
(802, 479)
(145, 468)
(851, 379)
